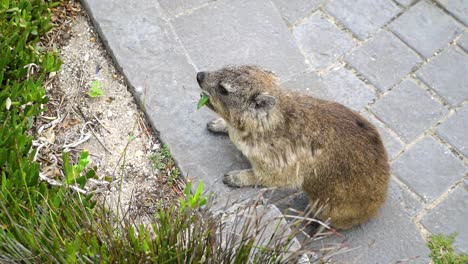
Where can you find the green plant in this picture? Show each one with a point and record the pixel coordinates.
(204, 99)
(95, 89)
(165, 151)
(157, 161)
(161, 158)
(194, 200)
(65, 230)
(26, 202)
(175, 173)
(23, 66)
(442, 251)
(73, 173)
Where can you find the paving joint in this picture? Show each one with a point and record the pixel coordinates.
(447, 12)
(304, 18)
(341, 26)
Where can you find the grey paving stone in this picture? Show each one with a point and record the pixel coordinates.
(455, 130)
(294, 10)
(344, 87)
(285, 199)
(338, 85)
(451, 84)
(176, 7)
(164, 82)
(409, 110)
(388, 238)
(405, 2)
(308, 83)
(322, 41)
(392, 144)
(429, 168)
(450, 216)
(383, 60)
(426, 28)
(459, 8)
(463, 41)
(275, 195)
(408, 202)
(363, 17)
(240, 32)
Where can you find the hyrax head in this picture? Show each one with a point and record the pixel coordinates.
(239, 91)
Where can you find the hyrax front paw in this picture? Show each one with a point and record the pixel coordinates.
(217, 125)
(239, 178)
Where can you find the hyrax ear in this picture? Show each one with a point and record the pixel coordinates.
(271, 73)
(228, 87)
(264, 102)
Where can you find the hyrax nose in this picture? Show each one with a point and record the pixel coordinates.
(200, 77)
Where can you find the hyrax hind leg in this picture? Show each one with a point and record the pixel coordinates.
(240, 178)
(217, 125)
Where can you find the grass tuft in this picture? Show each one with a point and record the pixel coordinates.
(442, 250)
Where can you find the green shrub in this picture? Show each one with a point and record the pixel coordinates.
(24, 200)
(64, 230)
(23, 66)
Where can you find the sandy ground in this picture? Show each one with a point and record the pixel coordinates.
(120, 142)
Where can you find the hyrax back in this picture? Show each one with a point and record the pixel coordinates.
(328, 150)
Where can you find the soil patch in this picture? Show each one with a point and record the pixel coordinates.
(122, 146)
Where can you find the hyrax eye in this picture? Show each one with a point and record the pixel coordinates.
(222, 89)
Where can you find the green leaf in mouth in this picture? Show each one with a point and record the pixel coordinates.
(203, 101)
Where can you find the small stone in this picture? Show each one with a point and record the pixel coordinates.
(156, 146)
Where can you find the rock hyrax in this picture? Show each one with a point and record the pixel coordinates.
(331, 152)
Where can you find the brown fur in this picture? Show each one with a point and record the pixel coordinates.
(328, 150)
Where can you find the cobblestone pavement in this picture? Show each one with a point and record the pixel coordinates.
(401, 63)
